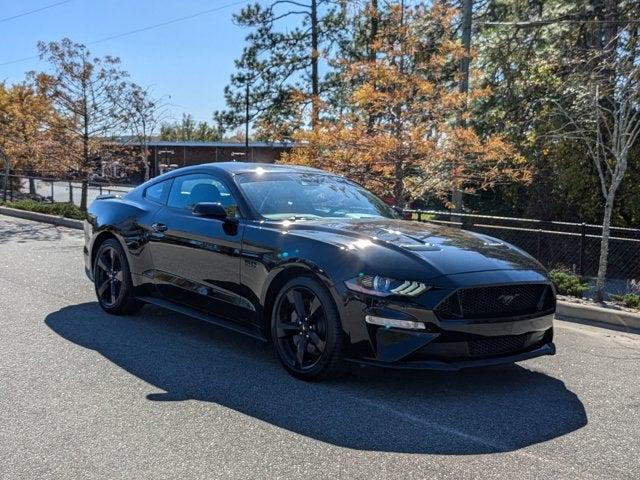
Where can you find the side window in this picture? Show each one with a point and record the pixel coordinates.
(156, 193)
(188, 190)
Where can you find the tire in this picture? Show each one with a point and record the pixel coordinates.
(112, 280)
(310, 346)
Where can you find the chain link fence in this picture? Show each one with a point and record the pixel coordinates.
(571, 247)
(51, 190)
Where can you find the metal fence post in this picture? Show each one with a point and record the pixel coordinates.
(538, 245)
(583, 244)
(466, 223)
(52, 193)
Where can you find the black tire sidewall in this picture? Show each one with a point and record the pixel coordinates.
(335, 337)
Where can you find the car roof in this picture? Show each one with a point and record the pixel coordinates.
(235, 168)
(228, 169)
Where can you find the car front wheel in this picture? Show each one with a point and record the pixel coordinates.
(306, 330)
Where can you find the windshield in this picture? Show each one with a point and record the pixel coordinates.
(294, 196)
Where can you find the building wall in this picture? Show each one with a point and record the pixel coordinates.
(183, 156)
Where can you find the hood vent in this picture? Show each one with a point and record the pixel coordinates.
(424, 247)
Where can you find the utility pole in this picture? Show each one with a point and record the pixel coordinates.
(315, 89)
(246, 121)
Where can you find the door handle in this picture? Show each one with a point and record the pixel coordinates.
(159, 227)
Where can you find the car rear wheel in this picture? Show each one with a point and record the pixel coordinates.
(306, 331)
(112, 280)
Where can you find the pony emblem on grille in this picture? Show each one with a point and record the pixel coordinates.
(507, 299)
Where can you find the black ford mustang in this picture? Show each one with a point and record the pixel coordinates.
(318, 266)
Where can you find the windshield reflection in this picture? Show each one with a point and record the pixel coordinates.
(308, 196)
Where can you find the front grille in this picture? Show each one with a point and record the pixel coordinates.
(497, 302)
(497, 345)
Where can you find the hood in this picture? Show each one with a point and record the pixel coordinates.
(447, 250)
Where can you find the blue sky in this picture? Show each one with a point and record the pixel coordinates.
(190, 61)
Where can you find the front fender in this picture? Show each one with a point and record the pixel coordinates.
(295, 264)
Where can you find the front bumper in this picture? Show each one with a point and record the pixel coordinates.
(545, 349)
(443, 344)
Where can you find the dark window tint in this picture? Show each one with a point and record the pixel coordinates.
(188, 190)
(155, 193)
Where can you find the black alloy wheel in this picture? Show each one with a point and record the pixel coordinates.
(306, 330)
(112, 280)
(109, 276)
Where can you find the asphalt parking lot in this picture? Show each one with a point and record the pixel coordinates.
(159, 395)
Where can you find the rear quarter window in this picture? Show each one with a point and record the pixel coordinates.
(157, 192)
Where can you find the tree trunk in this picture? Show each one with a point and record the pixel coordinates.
(604, 247)
(7, 170)
(467, 10)
(371, 51)
(85, 151)
(315, 90)
(398, 187)
(71, 193)
(83, 195)
(85, 145)
(373, 33)
(32, 186)
(145, 158)
(606, 226)
(85, 181)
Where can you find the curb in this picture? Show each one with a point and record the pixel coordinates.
(618, 318)
(42, 217)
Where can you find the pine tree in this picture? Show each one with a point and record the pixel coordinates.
(189, 130)
(284, 52)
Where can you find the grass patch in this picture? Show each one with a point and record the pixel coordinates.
(67, 210)
(630, 300)
(568, 284)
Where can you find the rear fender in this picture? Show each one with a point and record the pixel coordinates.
(126, 222)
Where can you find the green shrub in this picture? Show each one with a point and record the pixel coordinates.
(568, 284)
(67, 210)
(631, 300)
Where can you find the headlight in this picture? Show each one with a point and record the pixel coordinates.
(384, 286)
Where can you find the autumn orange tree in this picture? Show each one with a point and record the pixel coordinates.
(400, 134)
(32, 135)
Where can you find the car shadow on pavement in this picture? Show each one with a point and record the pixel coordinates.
(469, 412)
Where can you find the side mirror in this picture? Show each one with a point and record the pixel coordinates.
(210, 210)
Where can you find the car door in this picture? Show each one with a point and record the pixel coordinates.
(196, 259)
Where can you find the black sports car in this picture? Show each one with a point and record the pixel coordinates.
(318, 266)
